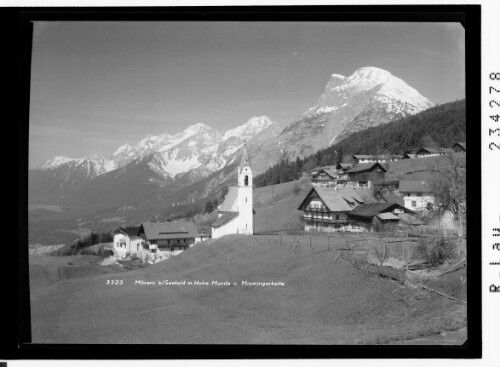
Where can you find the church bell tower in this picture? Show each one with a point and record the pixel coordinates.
(245, 195)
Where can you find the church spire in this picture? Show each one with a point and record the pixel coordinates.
(245, 161)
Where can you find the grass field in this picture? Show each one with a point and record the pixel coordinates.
(322, 301)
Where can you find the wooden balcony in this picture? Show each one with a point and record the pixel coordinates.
(316, 210)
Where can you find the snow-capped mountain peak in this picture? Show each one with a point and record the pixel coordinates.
(253, 126)
(368, 97)
(55, 162)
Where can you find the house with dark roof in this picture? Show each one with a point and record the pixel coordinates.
(459, 147)
(342, 169)
(417, 194)
(324, 176)
(325, 209)
(377, 215)
(366, 173)
(432, 152)
(168, 236)
(127, 240)
(409, 156)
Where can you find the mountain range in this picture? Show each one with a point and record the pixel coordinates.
(195, 164)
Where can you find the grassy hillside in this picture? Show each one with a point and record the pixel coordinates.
(322, 301)
(276, 206)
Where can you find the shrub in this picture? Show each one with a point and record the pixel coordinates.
(437, 250)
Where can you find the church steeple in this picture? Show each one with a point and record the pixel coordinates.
(244, 169)
(245, 161)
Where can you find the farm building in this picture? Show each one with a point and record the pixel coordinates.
(432, 152)
(409, 156)
(127, 240)
(169, 236)
(342, 169)
(366, 173)
(459, 147)
(377, 215)
(325, 209)
(324, 176)
(370, 158)
(236, 212)
(417, 194)
(204, 233)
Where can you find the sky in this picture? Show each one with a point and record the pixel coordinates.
(98, 85)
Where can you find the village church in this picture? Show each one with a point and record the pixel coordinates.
(236, 212)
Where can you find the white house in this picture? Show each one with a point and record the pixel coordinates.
(370, 158)
(236, 212)
(417, 194)
(126, 240)
(432, 152)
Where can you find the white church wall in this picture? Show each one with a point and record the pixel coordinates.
(228, 228)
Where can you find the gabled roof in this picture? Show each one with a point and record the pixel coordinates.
(372, 209)
(344, 165)
(363, 167)
(230, 203)
(329, 171)
(374, 156)
(391, 198)
(460, 144)
(131, 231)
(169, 230)
(435, 150)
(338, 200)
(410, 155)
(414, 186)
(225, 218)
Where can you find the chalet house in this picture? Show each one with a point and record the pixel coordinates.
(368, 158)
(127, 240)
(324, 176)
(409, 156)
(366, 173)
(459, 147)
(377, 215)
(326, 209)
(169, 236)
(432, 152)
(342, 169)
(417, 194)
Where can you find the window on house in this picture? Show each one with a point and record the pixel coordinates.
(413, 203)
(246, 200)
(246, 180)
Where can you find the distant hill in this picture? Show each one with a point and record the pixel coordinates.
(440, 126)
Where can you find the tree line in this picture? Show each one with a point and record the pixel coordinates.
(440, 126)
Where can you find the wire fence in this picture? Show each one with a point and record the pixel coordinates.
(374, 247)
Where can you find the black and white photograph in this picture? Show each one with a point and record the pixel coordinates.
(264, 182)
